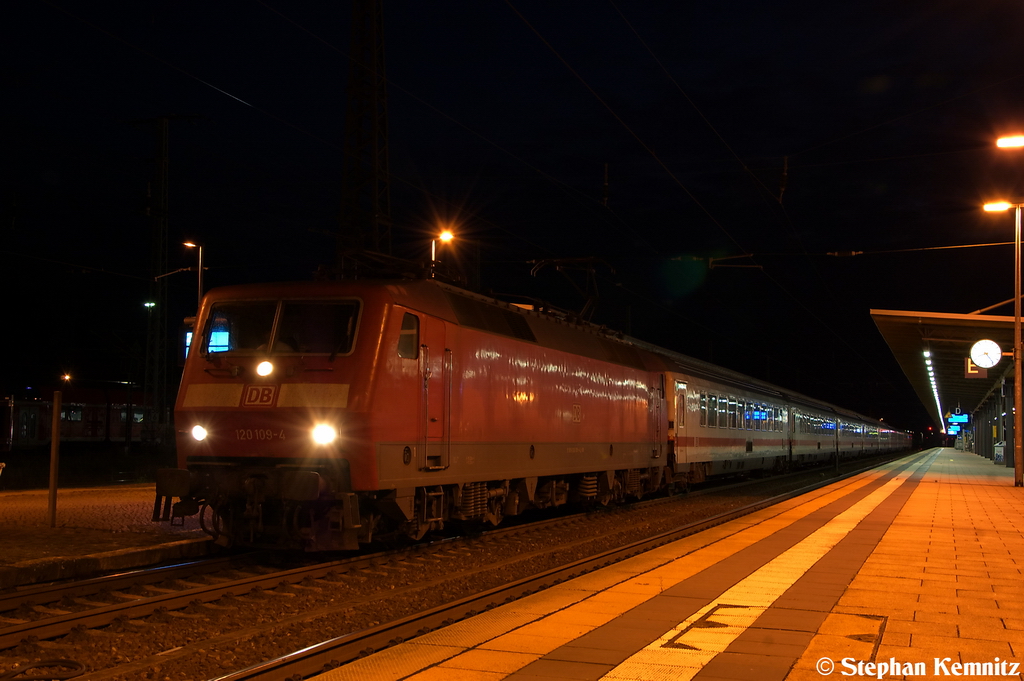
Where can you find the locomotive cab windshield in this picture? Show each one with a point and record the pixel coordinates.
(282, 327)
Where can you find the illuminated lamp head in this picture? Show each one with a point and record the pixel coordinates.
(199, 433)
(324, 434)
(264, 368)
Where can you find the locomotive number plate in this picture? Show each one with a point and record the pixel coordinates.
(258, 434)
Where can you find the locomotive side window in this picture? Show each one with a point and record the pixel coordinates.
(324, 327)
(409, 337)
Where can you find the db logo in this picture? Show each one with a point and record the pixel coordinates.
(259, 395)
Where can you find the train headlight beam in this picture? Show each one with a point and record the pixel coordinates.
(324, 434)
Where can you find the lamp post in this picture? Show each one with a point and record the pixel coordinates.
(1016, 142)
(443, 237)
(190, 244)
(1018, 408)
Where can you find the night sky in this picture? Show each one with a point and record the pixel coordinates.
(502, 117)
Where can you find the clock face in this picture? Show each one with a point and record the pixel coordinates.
(986, 353)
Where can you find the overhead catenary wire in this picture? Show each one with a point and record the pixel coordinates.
(627, 127)
(518, 235)
(807, 309)
(577, 194)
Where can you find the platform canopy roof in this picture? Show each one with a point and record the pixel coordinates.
(948, 338)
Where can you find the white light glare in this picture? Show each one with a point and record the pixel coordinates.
(324, 434)
(199, 433)
(264, 368)
(931, 379)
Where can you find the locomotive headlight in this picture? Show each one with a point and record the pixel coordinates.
(199, 433)
(324, 434)
(264, 368)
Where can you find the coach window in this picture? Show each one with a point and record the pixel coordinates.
(732, 412)
(409, 337)
(712, 411)
(703, 409)
(723, 412)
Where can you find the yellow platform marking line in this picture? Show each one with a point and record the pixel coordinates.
(686, 649)
(536, 619)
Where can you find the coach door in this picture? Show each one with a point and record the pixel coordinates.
(436, 368)
(791, 432)
(679, 418)
(658, 417)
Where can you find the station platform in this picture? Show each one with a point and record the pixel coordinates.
(97, 529)
(911, 570)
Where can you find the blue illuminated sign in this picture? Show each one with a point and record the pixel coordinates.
(959, 418)
(953, 430)
(219, 341)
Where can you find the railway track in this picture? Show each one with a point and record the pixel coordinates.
(193, 591)
(52, 610)
(336, 652)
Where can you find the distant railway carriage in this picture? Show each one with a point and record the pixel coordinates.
(323, 414)
(86, 416)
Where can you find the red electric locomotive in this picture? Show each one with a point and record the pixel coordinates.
(320, 415)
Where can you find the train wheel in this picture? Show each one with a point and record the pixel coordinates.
(511, 503)
(495, 511)
(610, 494)
(213, 528)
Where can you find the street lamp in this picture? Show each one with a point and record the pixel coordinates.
(1018, 408)
(443, 237)
(189, 244)
(1016, 142)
